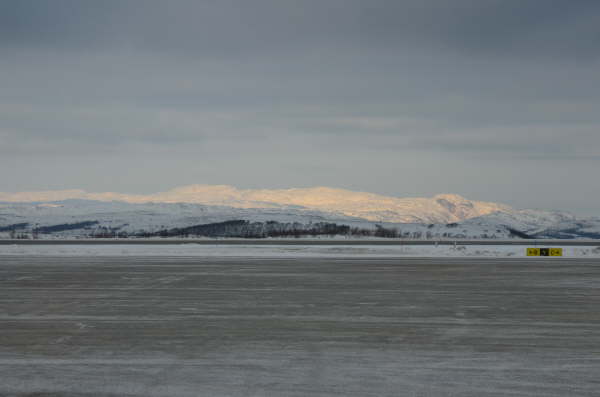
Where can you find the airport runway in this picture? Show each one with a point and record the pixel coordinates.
(159, 326)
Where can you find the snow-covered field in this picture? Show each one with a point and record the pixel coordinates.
(288, 251)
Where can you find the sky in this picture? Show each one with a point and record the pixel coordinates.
(496, 100)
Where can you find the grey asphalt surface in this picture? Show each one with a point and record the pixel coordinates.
(133, 326)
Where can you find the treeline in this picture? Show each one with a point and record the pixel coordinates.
(23, 231)
(247, 229)
(64, 227)
(14, 227)
(238, 229)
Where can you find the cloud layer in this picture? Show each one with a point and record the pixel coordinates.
(492, 99)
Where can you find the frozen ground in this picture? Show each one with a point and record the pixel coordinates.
(179, 326)
(289, 251)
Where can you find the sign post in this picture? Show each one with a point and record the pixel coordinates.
(544, 252)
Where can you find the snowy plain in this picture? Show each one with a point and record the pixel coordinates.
(289, 251)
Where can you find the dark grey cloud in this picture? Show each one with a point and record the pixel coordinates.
(199, 28)
(518, 28)
(401, 97)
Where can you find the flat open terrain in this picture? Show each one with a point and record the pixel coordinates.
(189, 326)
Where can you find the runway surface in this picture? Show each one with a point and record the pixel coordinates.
(184, 326)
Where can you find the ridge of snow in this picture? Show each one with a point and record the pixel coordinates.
(442, 208)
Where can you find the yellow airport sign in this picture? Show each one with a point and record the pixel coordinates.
(544, 252)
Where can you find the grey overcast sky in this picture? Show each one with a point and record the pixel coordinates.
(495, 100)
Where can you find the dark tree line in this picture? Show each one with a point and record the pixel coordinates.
(247, 229)
(64, 227)
(13, 227)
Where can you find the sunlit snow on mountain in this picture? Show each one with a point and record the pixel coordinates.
(444, 215)
(443, 208)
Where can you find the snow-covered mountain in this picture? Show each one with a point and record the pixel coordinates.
(443, 208)
(73, 213)
(150, 216)
(541, 224)
(84, 218)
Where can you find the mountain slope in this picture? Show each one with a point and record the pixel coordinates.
(84, 218)
(148, 217)
(443, 208)
(444, 215)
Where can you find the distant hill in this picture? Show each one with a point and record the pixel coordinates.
(443, 208)
(73, 213)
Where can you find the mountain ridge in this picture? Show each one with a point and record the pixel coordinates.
(441, 208)
(81, 217)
